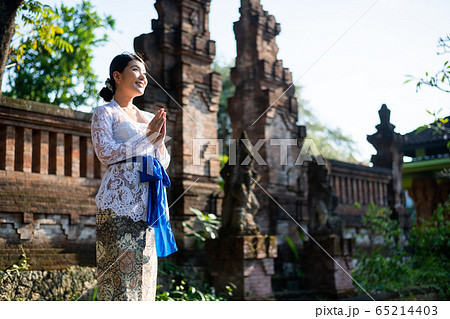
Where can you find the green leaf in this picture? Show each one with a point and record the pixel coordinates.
(421, 128)
(293, 247)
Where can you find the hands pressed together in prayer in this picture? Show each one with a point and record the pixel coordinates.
(156, 129)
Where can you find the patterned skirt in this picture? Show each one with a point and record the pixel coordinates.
(126, 258)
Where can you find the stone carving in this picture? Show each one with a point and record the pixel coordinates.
(240, 204)
(322, 203)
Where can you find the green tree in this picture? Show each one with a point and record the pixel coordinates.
(37, 28)
(57, 76)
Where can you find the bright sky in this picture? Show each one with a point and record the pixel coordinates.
(351, 56)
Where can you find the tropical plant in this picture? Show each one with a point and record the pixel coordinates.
(21, 266)
(295, 252)
(388, 266)
(38, 28)
(205, 226)
(188, 285)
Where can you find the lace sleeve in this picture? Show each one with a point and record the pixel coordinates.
(163, 159)
(109, 150)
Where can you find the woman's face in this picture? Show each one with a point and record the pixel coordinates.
(132, 81)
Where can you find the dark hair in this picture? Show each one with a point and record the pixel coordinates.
(119, 63)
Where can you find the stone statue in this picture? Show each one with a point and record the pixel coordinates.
(322, 203)
(239, 204)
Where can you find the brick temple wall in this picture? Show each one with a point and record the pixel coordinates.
(352, 184)
(49, 176)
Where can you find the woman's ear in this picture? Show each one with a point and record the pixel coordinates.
(116, 76)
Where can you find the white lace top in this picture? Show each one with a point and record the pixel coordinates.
(116, 137)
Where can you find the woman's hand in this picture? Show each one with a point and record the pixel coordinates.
(156, 129)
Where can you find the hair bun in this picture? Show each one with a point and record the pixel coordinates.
(107, 94)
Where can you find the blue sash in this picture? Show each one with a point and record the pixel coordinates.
(154, 174)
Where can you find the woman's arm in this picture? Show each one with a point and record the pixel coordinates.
(109, 150)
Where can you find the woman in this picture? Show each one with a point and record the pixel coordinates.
(122, 135)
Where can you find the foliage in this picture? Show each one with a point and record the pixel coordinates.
(430, 243)
(380, 266)
(38, 28)
(439, 125)
(223, 159)
(441, 79)
(205, 226)
(94, 295)
(331, 142)
(18, 268)
(61, 77)
(389, 267)
(189, 285)
(380, 226)
(294, 250)
(184, 286)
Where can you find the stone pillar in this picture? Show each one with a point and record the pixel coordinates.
(245, 261)
(389, 155)
(75, 156)
(329, 276)
(7, 147)
(27, 150)
(179, 54)
(325, 271)
(44, 158)
(60, 154)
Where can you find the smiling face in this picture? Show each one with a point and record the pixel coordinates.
(132, 81)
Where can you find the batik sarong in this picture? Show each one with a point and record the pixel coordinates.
(126, 258)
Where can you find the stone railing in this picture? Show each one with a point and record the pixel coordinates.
(49, 176)
(357, 183)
